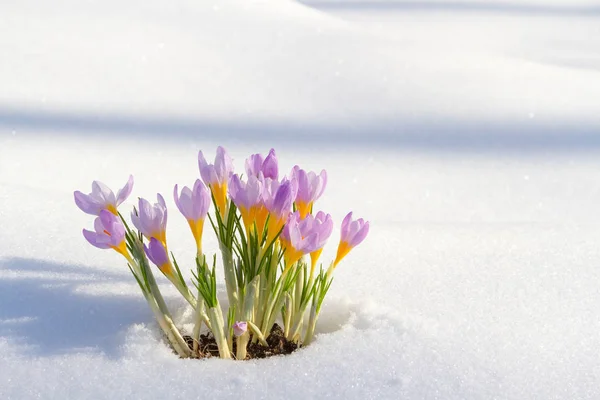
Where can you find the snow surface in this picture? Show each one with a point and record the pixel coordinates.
(466, 131)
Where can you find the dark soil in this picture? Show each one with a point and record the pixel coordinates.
(278, 345)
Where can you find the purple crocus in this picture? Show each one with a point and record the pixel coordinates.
(239, 328)
(109, 233)
(157, 253)
(261, 167)
(151, 220)
(353, 233)
(194, 204)
(310, 187)
(322, 225)
(298, 239)
(247, 196)
(216, 176)
(102, 198)
(278, 200)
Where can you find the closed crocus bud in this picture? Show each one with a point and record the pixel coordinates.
(310, 187)
(102, 198)
(109, 233)
(247, 196)
(157, 253)
(353, 233)
(194, 204)
(278, 201)
(216, 176)
(261, 167)
(239, 328)
(151, 220)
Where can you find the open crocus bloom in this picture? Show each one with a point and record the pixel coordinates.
(310, 187)
(299, 238)
(151, 220)
(353, 233)
(216, 176)
(102, 198)
(194, 204)
(247, 196)
(261, 167)
(109, 233)
(322, 225)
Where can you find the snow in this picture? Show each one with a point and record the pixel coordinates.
(465, 131)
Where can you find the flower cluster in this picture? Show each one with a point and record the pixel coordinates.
(270, 239)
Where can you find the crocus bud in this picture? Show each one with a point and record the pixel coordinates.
(310, 187)
(247, 198)
(239, 328)
(157, 253)
(353, 233)
(102, 198)
(151, 220)
(194, 204)
(263, 168)
(216, 176)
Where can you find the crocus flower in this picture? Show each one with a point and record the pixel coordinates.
(263, 168)
(216, 176)
(247, 197)
(353, 232)
(239, 328)
(157, 253)
(310, 187)
(298, 239)
(278, 199)
(109, 233)
(102, 198)
(194, 204)
(151, 220)
(322, 225)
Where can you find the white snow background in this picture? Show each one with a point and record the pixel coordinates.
(467, 132)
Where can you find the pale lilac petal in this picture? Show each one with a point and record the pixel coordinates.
(270, 168)
(86, 203)
(204, 170)
(254, 165)
(345, 224)
(201, 200)
(96, 240)
(360, 235)
(103, 192)
(124, 193)
(223, 165)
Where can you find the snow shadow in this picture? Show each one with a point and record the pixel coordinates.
(40, 308)
(528, 135)
(513, 8)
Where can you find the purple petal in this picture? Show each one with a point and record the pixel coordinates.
(345, 224)
(203, 166)
(99, 241)
(270, 167)
(360, 235)
(223, 165)
(254, 165)
(156, 252)
(124, 193)
(239, 328)
(86, 203)
(103, 192)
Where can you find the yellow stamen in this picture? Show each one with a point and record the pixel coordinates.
(121, 248)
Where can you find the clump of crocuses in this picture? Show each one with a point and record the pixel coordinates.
(270, 238)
